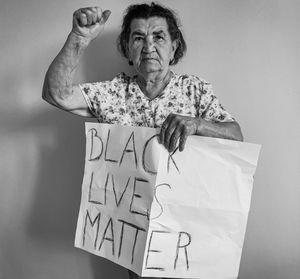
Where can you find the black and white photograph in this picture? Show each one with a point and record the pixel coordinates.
(150, 139)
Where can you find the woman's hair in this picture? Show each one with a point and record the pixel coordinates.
(146, 11)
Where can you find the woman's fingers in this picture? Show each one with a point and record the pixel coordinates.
(89, 22)
(88, 16)
(182, 140)
(80, 18)
(165, 131)
(91, 16)
(175, 137)
(170, 132)
(177, 128)
(105, 16)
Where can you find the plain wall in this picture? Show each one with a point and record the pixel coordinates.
(249, 50)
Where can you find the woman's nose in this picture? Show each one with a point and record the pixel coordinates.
(148, 44)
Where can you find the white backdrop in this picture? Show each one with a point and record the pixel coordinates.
(249, 50)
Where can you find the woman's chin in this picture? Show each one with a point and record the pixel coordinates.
(148, 68)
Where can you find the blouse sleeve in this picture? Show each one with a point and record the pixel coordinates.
(209, 105)
(99, 96)
(91, 94)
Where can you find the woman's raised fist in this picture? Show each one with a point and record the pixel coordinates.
(89, 22)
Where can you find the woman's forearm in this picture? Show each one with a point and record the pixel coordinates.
(179, 127)
(225, 130)
(58, 81)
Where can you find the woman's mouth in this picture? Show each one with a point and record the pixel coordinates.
(148, 59)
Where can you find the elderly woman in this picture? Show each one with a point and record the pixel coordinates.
(151, 40)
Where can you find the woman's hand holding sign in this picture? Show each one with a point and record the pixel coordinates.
(178, 127)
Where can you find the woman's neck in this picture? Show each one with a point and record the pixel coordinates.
(153, 85)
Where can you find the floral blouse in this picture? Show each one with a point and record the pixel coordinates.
(121, 101)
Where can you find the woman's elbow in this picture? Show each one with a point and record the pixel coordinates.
(237, 132)
(45, 92)
(49, 95)
(46, 96)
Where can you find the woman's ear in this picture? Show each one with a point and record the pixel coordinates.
(128, 55)
(174, 48)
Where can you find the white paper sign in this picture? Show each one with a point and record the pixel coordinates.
(165, 215)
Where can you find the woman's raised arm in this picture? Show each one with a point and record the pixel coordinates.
(58, 88)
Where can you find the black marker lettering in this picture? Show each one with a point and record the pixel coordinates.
(171, 158)
(135, 195)
(137, 229)
(106, 147)
(98, 152)
(111, 238)
(92, 223)
(149, 250)
(156, 201)
(146, 168)
(105, 190)
(118, 201)
(126, 150)
(180, 246)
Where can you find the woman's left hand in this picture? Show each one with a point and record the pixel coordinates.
(177, 127)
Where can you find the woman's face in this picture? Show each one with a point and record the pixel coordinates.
(150, 47)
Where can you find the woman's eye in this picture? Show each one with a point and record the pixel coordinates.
(138, 39)
(159, 38)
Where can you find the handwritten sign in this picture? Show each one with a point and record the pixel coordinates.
(182, 214)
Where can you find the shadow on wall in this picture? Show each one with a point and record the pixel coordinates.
(53, 216)
(102, 60)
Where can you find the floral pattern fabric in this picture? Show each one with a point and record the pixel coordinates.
(121, 101)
